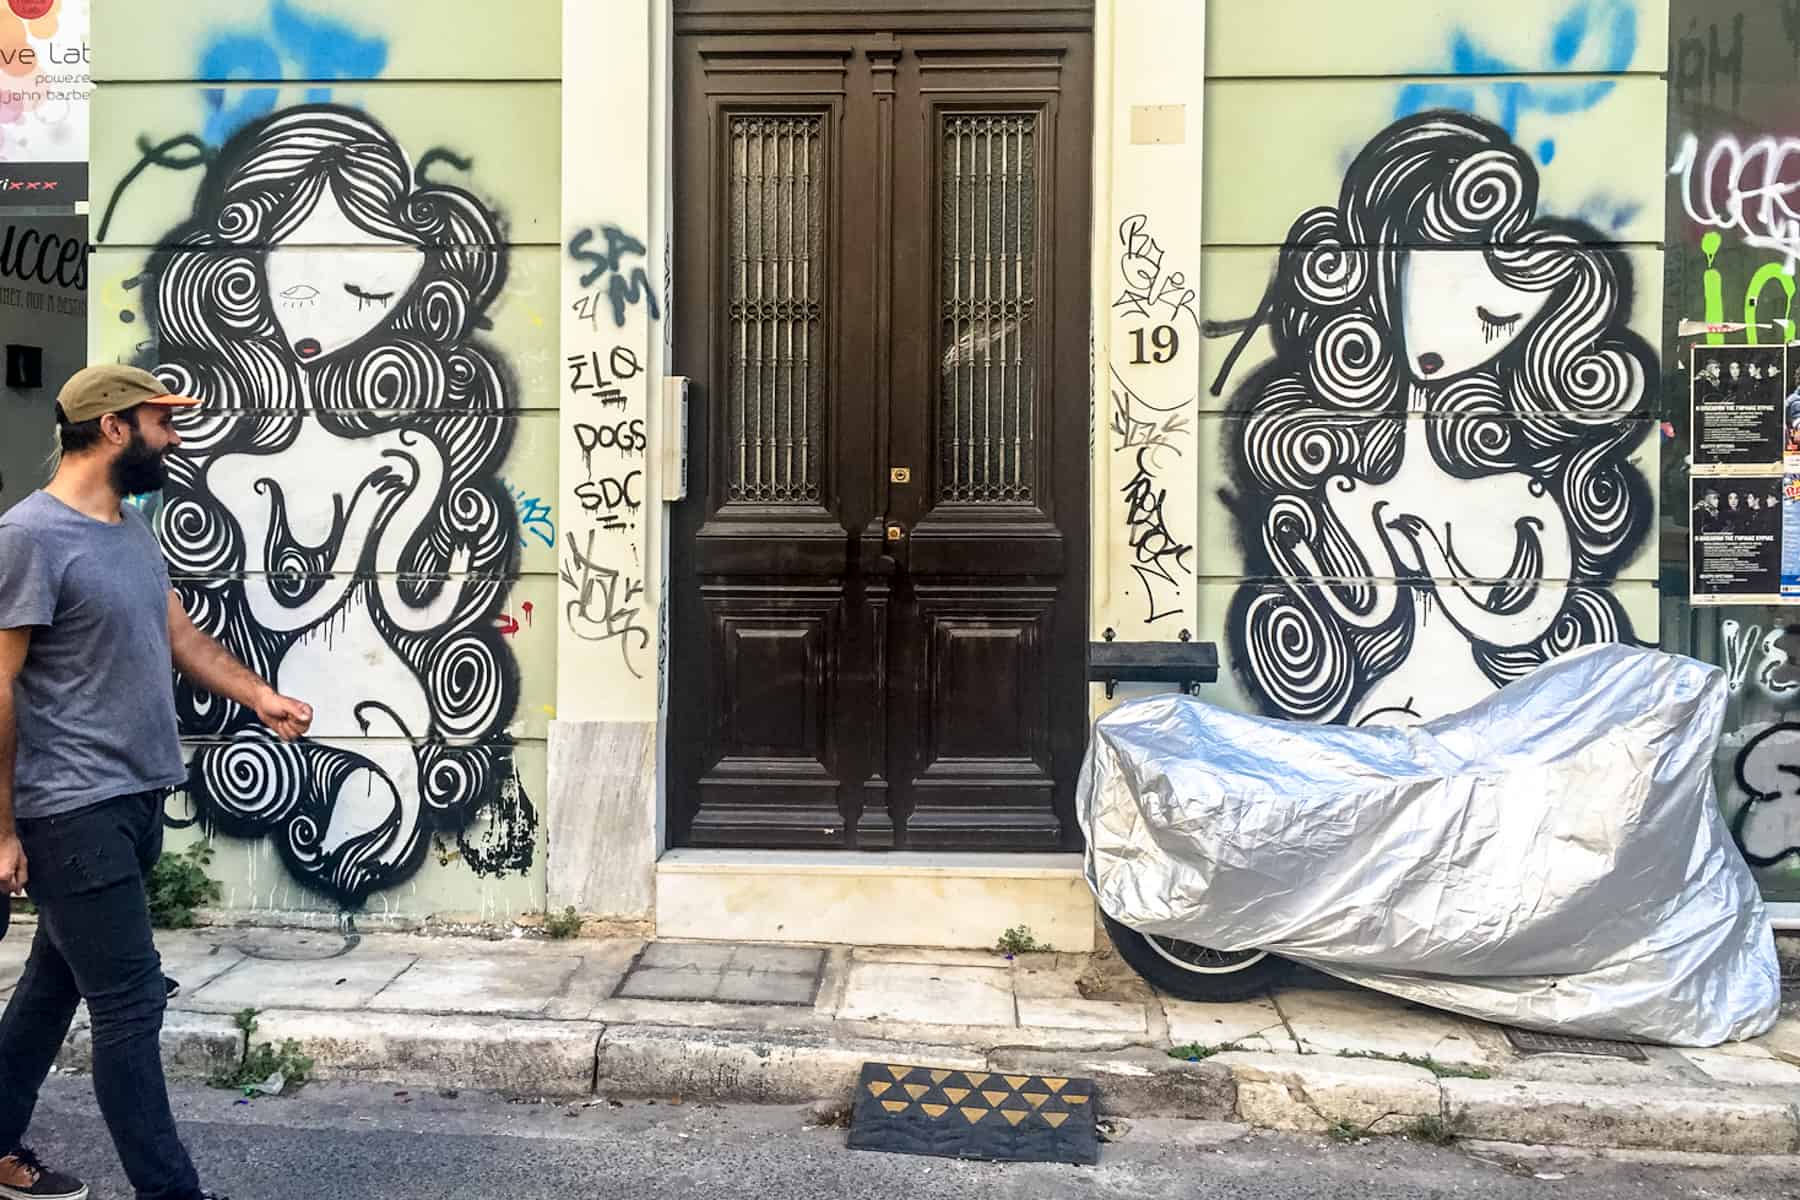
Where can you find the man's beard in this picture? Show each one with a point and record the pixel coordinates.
(138, 469)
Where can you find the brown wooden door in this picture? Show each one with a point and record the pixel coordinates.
(879, 578)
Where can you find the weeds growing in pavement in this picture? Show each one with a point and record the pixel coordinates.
(562, 925)
(1018, 940)
(179, 884)
(258, 1064)
(1442, 1070)
(1195, 1052)
(1434, 1130)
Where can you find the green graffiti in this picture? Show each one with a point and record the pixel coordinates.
(1713, 284)
(1770, 271)
(1715, 288)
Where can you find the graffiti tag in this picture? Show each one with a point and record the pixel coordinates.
(1592, 37)
(293, 45)
(1767, 827)
(602, 609)
(622, 288)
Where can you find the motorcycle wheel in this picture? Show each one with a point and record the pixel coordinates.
(1190, 972)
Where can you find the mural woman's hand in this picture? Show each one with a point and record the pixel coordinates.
(289, 718)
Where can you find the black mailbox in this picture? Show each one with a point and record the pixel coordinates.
(24, 367)
(1186, 663)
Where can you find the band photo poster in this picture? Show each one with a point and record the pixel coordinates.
(1744, 489)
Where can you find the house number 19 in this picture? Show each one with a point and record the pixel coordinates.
(1166, 341)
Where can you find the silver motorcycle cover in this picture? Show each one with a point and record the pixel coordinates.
(1551, 858)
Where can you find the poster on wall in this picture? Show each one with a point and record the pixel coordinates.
(1737, 527)
(1790, 537)
(1738, 408)
(1744, 489)
(44, 89)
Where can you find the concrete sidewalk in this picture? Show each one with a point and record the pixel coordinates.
(792, 1024)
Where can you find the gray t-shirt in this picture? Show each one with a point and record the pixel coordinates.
(96, 698)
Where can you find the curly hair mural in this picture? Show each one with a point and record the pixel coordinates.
(334, 515)
(1450, 407)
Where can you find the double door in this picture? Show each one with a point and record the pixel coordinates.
(879, 579)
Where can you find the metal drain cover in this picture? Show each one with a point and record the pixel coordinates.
(725, 972)
(1527, 1042)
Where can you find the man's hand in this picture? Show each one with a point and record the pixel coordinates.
(289, 718)
(210, 665)
(13, 876)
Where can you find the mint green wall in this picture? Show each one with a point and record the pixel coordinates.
(1294, 90)
(468, 92)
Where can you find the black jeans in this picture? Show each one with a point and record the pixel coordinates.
(93, 942)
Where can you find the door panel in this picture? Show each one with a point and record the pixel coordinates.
(879, 580)
(775, 740)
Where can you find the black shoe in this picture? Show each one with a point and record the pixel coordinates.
(23, 1177)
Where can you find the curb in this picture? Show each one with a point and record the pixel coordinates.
(1305, 1093)
(1722, 1121)
(498, 1054)
(804, 1067)
(194, 1045)
(1311, 1093)
(513, 1055)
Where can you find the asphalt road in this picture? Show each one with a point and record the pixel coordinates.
(366, 1143)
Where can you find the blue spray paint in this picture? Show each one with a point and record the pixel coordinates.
(294, 45)
(1598, 36)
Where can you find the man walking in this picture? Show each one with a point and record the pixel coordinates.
(89, 629)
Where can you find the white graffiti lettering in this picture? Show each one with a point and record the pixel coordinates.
(1744, 189)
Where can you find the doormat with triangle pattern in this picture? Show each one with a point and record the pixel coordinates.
(974, 1114)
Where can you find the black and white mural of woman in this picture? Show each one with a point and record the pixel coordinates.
(1441, 442)
(334, 515)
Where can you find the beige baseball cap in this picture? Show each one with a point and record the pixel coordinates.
(110, 388)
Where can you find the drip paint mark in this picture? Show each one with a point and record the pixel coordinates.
(508, 844)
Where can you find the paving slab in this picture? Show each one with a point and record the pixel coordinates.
(603, 965)
(1099, 1016)
(1747, 1070)
(195, 963)
(1245, 1024)
(1333, 1022)
(1784, 1040)
(520, 985)
(335, 984)
(834, 978)
(928, 956)
(710, 1014)
(1662, 1069)
(1051, 982)
(928, 994)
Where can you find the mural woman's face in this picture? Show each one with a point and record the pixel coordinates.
(1457, 314)
(331, 281)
